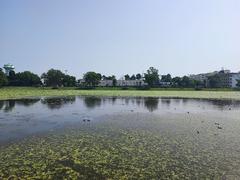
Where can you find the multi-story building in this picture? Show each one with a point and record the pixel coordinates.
(203, 77)
(226, 78)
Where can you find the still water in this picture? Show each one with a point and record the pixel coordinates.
(109, 137)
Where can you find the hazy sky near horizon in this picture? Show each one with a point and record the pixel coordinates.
(180, 37)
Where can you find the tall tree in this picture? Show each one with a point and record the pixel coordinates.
(3, 79)
(69, 81)
(27, 78)
(238, 83)
(133, 77)
(138, 76)
(186, 82)
(53, 78)
(166, 78)
(152, 76)
(92, 78)
(176, 81)
(214, 81)
(127, 77)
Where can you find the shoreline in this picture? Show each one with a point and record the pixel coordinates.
(8, 93)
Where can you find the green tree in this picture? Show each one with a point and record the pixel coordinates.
(138, 76)
(69, 81)
(186, 82)
(166, 78)
(27, 78)
(3, 79)
(127, 77)
(133, 77)
(152, 76)
(53, 78)
(176, 81)
(92, 78)
(114, 82)
(214, 81)
(238, 83)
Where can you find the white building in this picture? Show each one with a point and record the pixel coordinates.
(203, 76)
(132, 83)
(227, 79)
(104, 83)
(120, 83)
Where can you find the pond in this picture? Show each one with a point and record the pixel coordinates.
(119, 138)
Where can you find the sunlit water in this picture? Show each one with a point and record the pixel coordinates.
(183, 137)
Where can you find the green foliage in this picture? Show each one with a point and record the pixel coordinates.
(92, 78)
(69, 81)
(53, 78)
(152, 77)
(57, 78)
(133, 77)
(166, 78)
(214, 81)
(114, 82)
(238, 83)
(127, 77)
(138, 76)
(3, 79)
(27, 78)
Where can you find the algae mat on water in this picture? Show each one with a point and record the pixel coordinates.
(124, 147)
(16, 92)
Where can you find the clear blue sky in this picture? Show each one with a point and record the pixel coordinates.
(120, 36)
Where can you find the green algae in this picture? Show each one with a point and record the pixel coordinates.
(23, 92)
(133, 148)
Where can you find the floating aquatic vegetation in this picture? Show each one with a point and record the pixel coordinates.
(115, 151)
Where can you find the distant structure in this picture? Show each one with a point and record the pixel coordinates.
(227, 78)
(8, 68)
(119, 83)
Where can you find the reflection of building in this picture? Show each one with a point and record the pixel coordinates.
(226, 78)
(8, 68)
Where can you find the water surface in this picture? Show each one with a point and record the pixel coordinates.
(109, 137)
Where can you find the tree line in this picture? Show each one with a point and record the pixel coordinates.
(56, 78)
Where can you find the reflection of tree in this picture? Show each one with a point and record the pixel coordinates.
(92, 102)
(151, 103)
(27, 102)
(9, 105)
(1, 104)
(166, 102)
(113, 100)
(139, 101)
(57, 103)
(222, 104)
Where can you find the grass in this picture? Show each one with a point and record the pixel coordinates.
(23, 92)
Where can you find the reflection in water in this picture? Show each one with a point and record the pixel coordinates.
(166, 102)
(9, 105)
(20, 117)
(187, 143)
(57, 103)
(92, 102)
(151, 103)
(27, 102)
